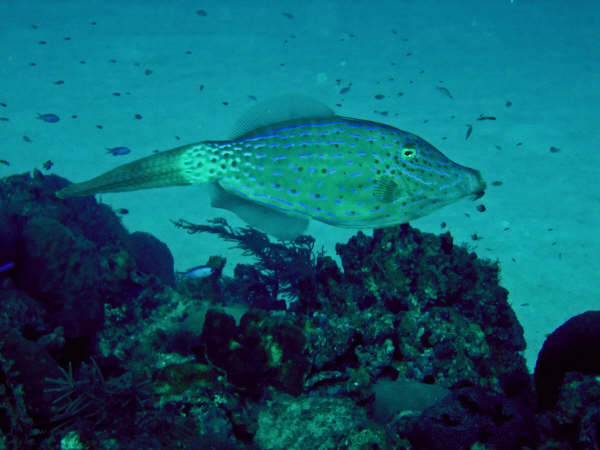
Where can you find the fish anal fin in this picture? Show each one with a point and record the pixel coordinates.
(263, 218)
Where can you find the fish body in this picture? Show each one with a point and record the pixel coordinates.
(469, 131)
(346, 172)
(50, 118)
(118, 151)
(444, 91)
(7, 266)
(197, 272)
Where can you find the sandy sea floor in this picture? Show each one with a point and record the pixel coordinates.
(191, 74)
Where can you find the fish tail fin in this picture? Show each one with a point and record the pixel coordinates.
(173, 167)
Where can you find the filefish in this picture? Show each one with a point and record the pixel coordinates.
(287, 164)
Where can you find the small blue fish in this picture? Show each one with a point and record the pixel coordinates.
(118, 151)
(7, 266)
(50, 118)
(196, 272)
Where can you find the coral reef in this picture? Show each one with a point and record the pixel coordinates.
(410, 344)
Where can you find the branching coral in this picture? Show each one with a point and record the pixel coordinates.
(287, 267)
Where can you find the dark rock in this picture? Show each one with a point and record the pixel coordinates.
(64, 273)
(264, 350)
(313, 422)
(574, 420)
(70, 255)
(474, 415)
(152, 256)
(26, 365)
(574, 346)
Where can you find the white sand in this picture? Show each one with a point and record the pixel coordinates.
(544, 57)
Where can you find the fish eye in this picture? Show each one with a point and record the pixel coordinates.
(408, 151)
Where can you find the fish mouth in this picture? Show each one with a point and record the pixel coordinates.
(476, 183)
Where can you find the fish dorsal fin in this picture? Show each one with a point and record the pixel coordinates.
(280, 109)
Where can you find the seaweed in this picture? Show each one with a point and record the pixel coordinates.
(284, 267)
(93, 398)
(122, 407)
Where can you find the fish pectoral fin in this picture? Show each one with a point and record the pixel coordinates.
(386, 189)
(263, 218)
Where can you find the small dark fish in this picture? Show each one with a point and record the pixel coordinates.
(50, 118)
(554, 149)
(26, 138)
(344, 90)
(482, 117)
(48, 165)
(5, 162)
(196, 272)
(7, 266)
(444, 91)
(118, 151)
(288, 15)
(469, 131)
(122, 211)
(4, 119)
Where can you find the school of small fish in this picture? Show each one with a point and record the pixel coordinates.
(346, 172)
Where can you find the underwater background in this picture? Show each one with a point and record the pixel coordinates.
(510, 88)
